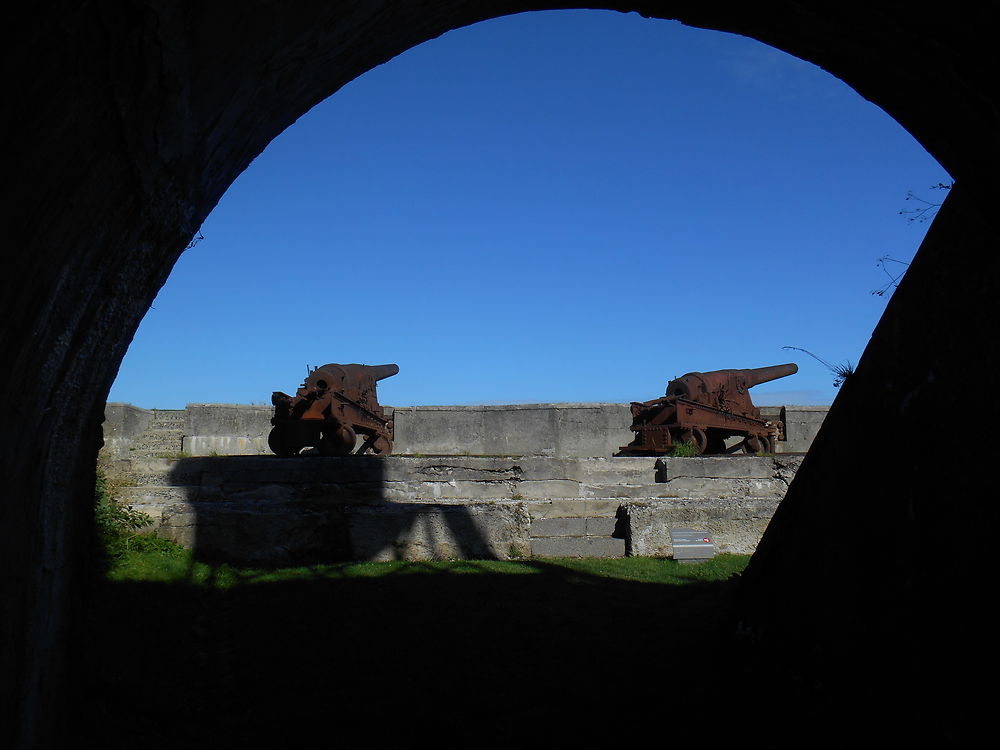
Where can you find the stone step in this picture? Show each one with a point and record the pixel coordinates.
(153, 500)
(151, 443)
(575, 537)
(164, 434)
(169, 416)
(573, 508)
(568, 546)
(573, 527)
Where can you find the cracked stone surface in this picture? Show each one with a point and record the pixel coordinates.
(493, 506)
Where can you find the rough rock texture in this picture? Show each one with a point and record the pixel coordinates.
(269, 510)
(736, 525)
(128, 120)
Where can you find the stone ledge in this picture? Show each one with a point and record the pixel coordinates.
(578, 547)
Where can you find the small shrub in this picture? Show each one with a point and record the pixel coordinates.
(117, 525)
(687, 449)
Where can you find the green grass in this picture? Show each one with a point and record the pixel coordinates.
(160, 561)
(686, 449)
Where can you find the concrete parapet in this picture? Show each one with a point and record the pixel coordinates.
(229, 419)
(123, 423)
(513, 429)
(227, 429)
(225, 445)
(802, 424)
(547, 430)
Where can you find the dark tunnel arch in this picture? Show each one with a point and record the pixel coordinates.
(122, 143)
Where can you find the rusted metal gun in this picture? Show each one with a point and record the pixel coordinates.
(331, 408)
(704, 409)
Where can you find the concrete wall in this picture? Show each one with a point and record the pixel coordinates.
(513, 429)
(802, 423)
(227, 429)
(516, 429)
(123, 424)
(265, 509)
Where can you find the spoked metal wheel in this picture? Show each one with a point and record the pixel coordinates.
(697, 438)
(382, 446)
(337, 441)
(758, 444)
(281, 441)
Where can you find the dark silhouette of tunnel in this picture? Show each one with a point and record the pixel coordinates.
(127, 121)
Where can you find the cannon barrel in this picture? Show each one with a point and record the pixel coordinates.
(757, 375)
(692, 383)
(354, 373)
(381, 372)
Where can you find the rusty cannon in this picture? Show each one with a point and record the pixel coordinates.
(334, 405)
(704, 409)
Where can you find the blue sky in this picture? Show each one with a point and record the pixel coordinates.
(565, 206)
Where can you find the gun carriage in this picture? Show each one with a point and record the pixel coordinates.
(705, 409)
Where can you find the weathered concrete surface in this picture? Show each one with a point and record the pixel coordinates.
(514, 429)
(274, 533)
(123, 424)
(421, 531)
(736, 525)
(576, 430)
(802, 424)
(265, 509)
(226, 429)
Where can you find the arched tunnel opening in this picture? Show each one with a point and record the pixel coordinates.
(124, 141)
(563, 206)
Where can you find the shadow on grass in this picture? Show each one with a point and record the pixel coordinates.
(492, 656)
(424, 653)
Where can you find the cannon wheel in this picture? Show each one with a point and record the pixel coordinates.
(697, 438)
(281, 442)
(752, 444)
(337, 441)
(716, 443)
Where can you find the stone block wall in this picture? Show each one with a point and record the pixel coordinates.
(269, 510)
(473, 481)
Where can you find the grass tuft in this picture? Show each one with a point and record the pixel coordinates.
(686, 449)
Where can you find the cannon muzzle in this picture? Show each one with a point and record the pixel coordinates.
(381, 372)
